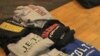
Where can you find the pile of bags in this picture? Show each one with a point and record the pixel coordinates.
(32, 31)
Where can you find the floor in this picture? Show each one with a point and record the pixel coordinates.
(86, 22)
(7, 6)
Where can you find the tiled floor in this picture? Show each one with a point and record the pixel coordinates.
(7, 6)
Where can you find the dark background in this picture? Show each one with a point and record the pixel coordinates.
(7, 6)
